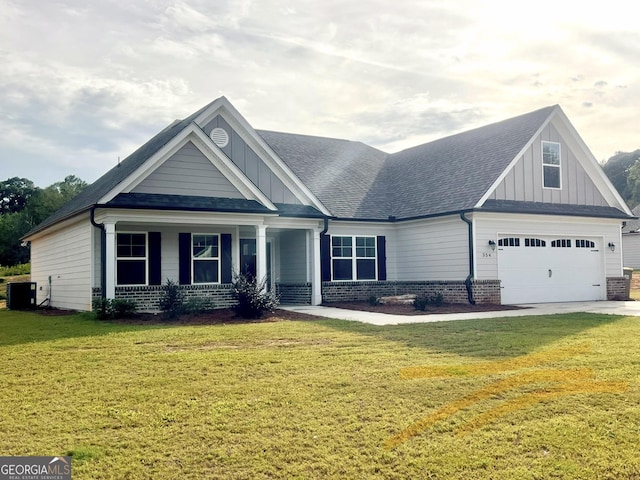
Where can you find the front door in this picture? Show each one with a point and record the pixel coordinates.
(248, 259)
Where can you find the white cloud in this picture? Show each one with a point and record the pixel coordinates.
(84, 82)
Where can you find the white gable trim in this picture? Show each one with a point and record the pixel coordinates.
(226, 110)
(571, 136)
(592, 167)
(194, 134)
(513, 162)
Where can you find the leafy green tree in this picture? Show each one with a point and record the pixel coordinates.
(15, 193)
(23, 206)
(618, 168)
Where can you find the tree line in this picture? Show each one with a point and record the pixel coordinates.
(623, 169)
(23, 206)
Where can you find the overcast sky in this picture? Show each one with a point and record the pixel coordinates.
(85, 82)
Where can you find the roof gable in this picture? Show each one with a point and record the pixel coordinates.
(454, 173)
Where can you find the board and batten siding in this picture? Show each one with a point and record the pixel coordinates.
(251, 164)
(432, 249)
(490, 226)
(524, 180)
(631, 250)
(65, 256)
(188, 172)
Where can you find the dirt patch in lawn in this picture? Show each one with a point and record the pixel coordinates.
(431, 309)
(217, 317)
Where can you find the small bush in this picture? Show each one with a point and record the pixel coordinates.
(374, 301)
(437, 299)
(197, 305)
(172, 299)
(421, 303)
(252, 296)
(121, 308)
(107, 309)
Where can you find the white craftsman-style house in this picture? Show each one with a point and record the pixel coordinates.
(513, 212)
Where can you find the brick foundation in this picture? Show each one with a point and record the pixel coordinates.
(294, 293)
(484, 291)
(617, 288)
(147, 298)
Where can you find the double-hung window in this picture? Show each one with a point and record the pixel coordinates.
(205, 255)
(131, 259)
(353, 257)
(551, 165)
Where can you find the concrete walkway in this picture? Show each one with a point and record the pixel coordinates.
(613, 308)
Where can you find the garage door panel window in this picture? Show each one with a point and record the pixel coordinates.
(551, 164)
(534, 242)
(509, 242)
(561, 243)
(581, 243)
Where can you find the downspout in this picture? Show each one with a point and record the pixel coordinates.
(325, 229)
(103, 253)
(467, 282)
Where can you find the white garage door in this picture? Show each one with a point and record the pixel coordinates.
(550, 269)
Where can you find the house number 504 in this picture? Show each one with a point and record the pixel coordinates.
(485, 254)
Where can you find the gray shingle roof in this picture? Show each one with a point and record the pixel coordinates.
(188, 203)
(633, 225)
(98, 189)
(356, 181)
(453, 173)
(512, 206)
(347, 177)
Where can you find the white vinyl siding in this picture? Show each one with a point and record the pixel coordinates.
(491, 226)
(631, 250)
(65, 256)
(292, 254)
(435, 249)
(188, 172)
(524, 182)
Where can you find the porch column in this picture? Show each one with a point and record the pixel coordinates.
(261, 252)
(110, 260)
(316, 277)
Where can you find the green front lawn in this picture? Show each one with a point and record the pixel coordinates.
(517, 398)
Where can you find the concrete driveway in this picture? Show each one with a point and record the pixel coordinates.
(612, 308)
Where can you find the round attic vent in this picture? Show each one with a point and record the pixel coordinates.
(220, 137)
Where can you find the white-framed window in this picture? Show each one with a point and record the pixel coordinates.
(131, 258)
(353, 257)
(551, 170)
(205, 258)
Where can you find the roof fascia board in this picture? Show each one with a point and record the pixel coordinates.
(241, 126)
(513, 162)
(62, 223)
(192, 133)
(177, 217)
(591, 166)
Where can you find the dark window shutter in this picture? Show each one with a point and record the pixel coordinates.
(382, 257)
(325, 258)
(155, 259)
(184, 252)
(226, 266)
